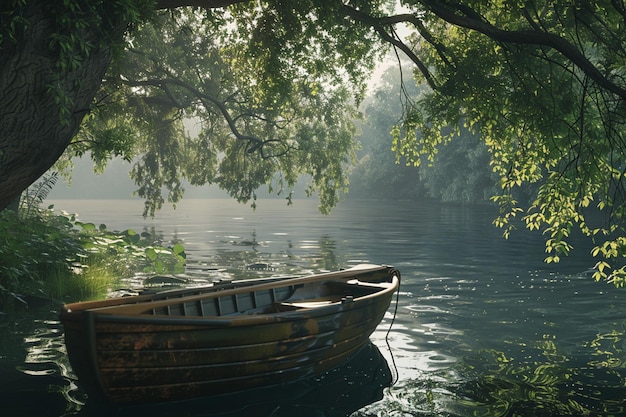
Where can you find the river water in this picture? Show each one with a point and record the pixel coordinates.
(482, 326)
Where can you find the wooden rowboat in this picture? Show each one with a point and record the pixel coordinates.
(224, 338)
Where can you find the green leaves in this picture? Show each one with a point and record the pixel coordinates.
(539, 86)
(89, 228)
(260, 99)
(162, 260)
(59, 256)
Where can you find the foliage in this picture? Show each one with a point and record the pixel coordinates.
(459, 172)
(12, 23)
(58, 256)
(269, 86)
(34, 196)
(69, 43)
(250, 107)
(543, 84)
(72, 18)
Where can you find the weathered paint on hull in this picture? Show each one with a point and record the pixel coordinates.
(155, 358)
(143, 362)
(340, 391)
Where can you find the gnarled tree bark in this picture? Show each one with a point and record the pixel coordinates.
(34, 134)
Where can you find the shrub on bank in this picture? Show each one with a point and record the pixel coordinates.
(54, 255)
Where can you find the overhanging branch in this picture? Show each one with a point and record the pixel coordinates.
(468, 19)
(164, 83)
(380, 25)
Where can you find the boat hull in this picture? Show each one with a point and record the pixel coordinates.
(150, 358)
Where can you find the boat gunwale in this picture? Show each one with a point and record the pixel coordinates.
(239, 319)
(170, 294)
(131, 308)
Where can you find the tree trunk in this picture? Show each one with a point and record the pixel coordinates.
(33, 132)
(14, 205)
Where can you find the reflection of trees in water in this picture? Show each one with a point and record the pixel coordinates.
(540, 380)
(240, 258)
(328, 258)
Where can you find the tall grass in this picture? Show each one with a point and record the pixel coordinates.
(90, 284)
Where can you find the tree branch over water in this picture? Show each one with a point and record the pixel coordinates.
(463, 16)
(163, 83)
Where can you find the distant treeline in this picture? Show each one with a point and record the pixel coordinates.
(460, 172)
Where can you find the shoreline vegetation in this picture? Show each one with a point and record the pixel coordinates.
(50, 255)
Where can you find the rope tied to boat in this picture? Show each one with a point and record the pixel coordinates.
(394, 369)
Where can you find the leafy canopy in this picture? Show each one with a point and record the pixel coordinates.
(269, 87)
(243, 97)
(542, 83)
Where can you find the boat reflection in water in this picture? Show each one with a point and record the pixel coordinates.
(335, 393)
